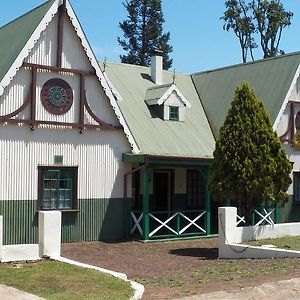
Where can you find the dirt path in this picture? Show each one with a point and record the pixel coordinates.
(181, 268)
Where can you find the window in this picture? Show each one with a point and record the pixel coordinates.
(174, 113)
(58, 188)
(195, 190)
(296, 184)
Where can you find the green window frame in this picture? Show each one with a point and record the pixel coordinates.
(296, 187)
(195, 189)
(174, 113)
(58, 188)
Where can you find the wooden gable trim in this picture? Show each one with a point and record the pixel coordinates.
(31, 99)
(110, 93)
(287, 99)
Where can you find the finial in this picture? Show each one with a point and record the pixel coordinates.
(174, 76)
(104, 64)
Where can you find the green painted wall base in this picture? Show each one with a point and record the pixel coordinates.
(97, 219)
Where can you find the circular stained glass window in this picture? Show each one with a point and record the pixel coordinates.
(57, 96)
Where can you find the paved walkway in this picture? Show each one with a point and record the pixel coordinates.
(281, 290)
(10, 293)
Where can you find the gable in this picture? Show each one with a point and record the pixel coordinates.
(154, 136)
(58, 49)
(18, 35)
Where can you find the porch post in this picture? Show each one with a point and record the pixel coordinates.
(146, 203)
(277, 213)
(207, 203)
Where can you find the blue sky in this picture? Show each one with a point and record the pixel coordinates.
(198, 40)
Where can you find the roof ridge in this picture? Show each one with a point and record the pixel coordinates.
(247, 63)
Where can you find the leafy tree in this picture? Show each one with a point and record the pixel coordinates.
(250, 165)
(237, 18)
(271, 18)
(265, 18)
(143, 32)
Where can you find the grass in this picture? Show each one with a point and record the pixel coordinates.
(55, 280)
(289, 242)
(238, 272)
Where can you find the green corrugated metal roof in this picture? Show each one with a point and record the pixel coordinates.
(191, 138)
(14, 35)
(270, 78)
(156, 92)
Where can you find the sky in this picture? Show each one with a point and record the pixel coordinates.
(197, 36)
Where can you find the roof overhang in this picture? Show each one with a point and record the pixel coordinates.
(166, 160)
(162, 93)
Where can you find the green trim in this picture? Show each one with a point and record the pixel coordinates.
(174, 113)
(166, 160)
(146, 203)
(207, 204)
(185, 238)
(277, 213)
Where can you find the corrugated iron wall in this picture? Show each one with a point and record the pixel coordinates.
(97, 219)
(98, 156)
(20, 222)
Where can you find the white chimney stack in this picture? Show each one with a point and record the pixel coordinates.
(157, 66)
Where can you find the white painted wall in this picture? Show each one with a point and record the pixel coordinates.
(49, 233)
(231, 237)
(174, 100)
(44, 52)
(15, 94)
(98, 155)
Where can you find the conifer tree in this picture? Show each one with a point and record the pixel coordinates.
(250, 166)
(143, 32)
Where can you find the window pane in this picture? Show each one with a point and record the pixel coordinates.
(195, 190)
(57, 189)
(174, 113)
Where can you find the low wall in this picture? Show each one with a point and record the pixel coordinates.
(231, 237)
(49, 240)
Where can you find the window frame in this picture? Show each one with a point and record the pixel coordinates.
(173, 116)
(74, 170)
(296, 186)
(194, 201)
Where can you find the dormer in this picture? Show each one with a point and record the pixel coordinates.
(168, 101)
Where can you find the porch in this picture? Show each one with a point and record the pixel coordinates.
(169, 197)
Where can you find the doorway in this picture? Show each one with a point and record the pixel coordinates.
(163, 189)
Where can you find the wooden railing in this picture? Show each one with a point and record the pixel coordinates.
(163, 224)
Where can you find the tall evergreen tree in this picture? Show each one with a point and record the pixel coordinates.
(143, 32)
(250, 166)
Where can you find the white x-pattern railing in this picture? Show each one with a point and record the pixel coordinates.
(265, 216)
(137, 222)
(137, 218)
(240, 220)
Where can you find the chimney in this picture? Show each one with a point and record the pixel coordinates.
(157, 66)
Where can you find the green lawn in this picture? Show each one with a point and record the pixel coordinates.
(56, 280)
(289, 242)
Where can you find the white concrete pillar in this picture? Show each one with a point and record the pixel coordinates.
(50, 233)
(227, 224)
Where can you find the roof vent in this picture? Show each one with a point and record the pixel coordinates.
(157, 66)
